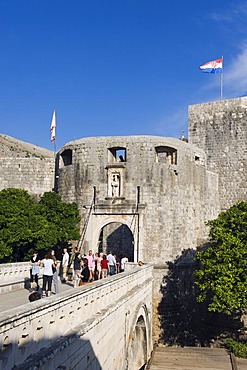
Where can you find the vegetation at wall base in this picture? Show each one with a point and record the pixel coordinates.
(222, 273)
(26, 224)
(238, 348)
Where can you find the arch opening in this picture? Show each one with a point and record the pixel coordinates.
(66, 157)
(118, 238)
(138, 348)
(166, 154)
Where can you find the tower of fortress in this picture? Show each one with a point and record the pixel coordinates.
(220, 130)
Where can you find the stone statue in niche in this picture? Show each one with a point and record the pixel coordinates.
(115, 185)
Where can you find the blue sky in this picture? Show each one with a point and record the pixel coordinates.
(114, 67)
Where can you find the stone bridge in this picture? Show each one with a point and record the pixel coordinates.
(106, 324)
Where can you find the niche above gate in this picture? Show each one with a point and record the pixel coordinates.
(115, 186)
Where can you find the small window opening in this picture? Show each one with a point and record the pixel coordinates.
(199, 160)
(166, 154)
(66, 156)
(117, 154)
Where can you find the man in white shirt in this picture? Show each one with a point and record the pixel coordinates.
(65, 265)
(112, 263)
(123, 261)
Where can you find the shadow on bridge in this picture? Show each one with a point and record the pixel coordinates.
(70, 352)
(184, 321)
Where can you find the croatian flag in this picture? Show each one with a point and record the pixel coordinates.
(53, 127)
(215, 66)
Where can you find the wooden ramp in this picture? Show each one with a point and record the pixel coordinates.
(190, 358)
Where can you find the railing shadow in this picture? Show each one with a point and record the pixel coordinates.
(68, 352)
(184, 321)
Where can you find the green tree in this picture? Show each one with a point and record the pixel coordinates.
(20, 223)
(222, 276)
(26, 224)
(62, 218)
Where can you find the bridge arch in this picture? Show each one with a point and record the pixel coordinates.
(128, 224)
(139, 339)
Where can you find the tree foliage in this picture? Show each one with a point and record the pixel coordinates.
(61, 217)
(222, 276)
(26, 224)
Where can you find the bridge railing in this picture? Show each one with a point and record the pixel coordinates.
(27, 329)
(11, 271)
(14, 276)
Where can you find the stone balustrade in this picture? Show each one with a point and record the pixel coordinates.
(14, 276)
(30, 329)
(13, 271)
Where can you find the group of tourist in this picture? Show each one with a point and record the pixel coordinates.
(85, 269)
(98, 266)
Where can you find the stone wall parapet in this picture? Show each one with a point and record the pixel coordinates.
(13, 271)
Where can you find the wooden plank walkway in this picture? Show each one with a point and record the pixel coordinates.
(190, 358)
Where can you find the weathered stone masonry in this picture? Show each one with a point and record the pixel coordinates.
(26, 166)
(35, 175)
(220, 129)
(163, 182)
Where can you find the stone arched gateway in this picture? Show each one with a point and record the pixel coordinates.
(98, 222)
(118, 238)
(139, 340)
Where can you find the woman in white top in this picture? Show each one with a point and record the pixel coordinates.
(48, 263)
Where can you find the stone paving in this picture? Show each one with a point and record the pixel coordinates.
(20, 297)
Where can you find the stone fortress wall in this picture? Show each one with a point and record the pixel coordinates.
(25, 166)
(164, 182)
(220, 129)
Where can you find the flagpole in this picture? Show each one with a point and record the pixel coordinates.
(55, 150)
(221, 81)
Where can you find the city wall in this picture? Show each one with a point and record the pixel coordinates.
(220, 129)
(36, 175)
